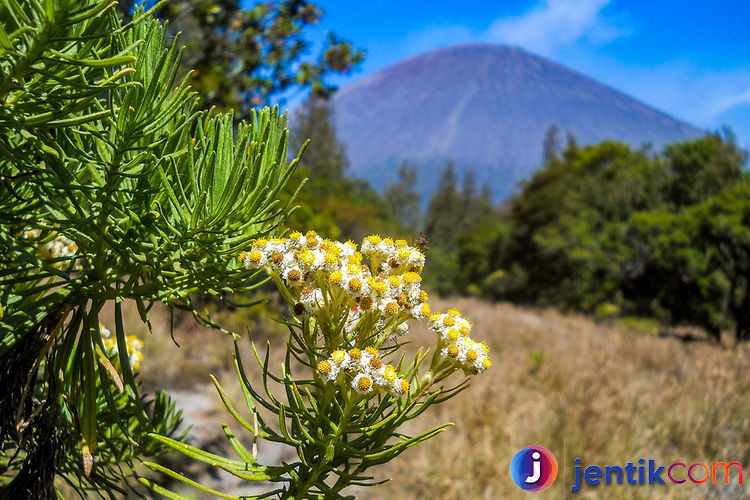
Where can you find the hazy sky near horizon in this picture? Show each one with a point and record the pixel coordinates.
(690, 58)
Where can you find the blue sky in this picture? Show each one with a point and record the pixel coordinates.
(689, 58)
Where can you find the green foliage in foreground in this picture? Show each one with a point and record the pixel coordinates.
(114, 188)
(606, 227)
(345, 387)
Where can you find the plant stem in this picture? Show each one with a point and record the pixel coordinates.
(316, 471)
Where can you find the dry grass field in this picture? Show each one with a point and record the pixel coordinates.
(603, 393)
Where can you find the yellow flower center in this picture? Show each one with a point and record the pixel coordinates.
(355, 354)
(330, 258)
(425, 309)
(452, 335)
(255, 256)
(336, 277)
(453, 351)
(411, 278)
(324, 367)
(449, 321)
(277, 258)
(471, 355)
(404, 387)
(391, 308)
(294, 275)
(378, 286)
(260, 243)
(338, 356)
(295, 235)
(376, 363)
(371, 350)
(487, 362)
(364, 383)
(355, 285)
(389, 374)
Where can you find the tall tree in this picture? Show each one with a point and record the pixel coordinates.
(248, 54)
(485, 199)
(403, 198)
(325, 156)
(444, 219)
(703, 167)
(331, 202)
(551, 144)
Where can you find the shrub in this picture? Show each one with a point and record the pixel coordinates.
(353, 389)
(114, 188)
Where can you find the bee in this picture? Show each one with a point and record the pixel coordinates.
(421, 242)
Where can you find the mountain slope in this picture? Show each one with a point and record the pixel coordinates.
(486, 107)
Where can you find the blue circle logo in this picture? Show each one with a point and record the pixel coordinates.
(533, 468)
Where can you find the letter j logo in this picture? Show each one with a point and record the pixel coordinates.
(533, 468)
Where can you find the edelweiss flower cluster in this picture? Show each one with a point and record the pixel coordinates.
(60, 246)
(455, 343)
(367, 370)
(357, 298)
(326, 272)
(134, 346)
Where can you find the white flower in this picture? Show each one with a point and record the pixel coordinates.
(293, 275)
(403, 328)
(362, 383)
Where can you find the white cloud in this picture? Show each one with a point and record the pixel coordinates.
(573, 32)
(553, 24)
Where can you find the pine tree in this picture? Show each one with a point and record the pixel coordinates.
(445, 218)
(325, 158)
(403, 198)
(551, 144)
(485, 200)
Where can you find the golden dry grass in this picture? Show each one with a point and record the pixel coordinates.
(600, 393)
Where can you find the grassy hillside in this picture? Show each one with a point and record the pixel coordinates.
(606, 394)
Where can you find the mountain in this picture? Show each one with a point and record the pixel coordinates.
(487, 108)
